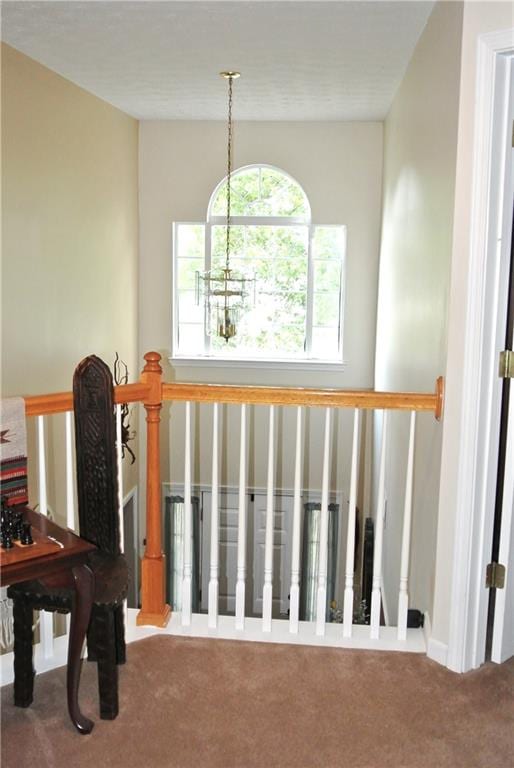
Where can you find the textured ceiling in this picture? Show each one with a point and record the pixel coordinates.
(160, 60)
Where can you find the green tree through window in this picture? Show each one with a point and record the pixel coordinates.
(297, 269)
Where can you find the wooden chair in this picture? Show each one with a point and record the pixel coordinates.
(97, 489)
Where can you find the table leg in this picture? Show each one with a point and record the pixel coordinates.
(81, 612)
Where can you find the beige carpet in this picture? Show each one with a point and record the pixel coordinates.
(188, 703)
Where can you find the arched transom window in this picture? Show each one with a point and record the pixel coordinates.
(298, 270)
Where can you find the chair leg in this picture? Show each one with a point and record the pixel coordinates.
(119, 628)
(23, 667)
(91, 643)
(105, 639)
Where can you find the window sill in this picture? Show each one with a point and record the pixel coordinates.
(275, 365)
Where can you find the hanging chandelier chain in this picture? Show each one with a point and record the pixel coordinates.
(224, 292)
(229, 168)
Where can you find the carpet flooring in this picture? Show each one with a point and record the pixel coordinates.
(191, 703)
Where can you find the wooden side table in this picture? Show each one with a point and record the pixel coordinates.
(58, 557)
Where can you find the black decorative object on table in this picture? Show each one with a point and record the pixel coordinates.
(13, 527)
(97, 489)
(26, 536)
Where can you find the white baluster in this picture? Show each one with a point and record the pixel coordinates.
(241, 533)
(188, 566)
(294, 600)
(214, 564)
(70, 497)
(43, 502)
(119, 468)
(321, 601)
(46, 620)
(121, 511)
(379, 536)
(350, 536)
(403, 597)
(267, 595)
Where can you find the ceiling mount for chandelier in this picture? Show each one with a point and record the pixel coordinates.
(225, 290)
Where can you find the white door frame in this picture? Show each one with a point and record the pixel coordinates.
(480, 403)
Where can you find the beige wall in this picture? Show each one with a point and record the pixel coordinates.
(419, 178)
(340, 167)
(479, 18)
(70, 232)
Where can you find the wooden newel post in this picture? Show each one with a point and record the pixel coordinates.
(154, 609)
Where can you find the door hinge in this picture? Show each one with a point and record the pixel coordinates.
(506, 366)
(495, 576)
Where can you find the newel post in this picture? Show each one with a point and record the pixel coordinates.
(154, 609)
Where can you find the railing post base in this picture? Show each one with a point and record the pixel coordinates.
(144, 618)
(154, 610)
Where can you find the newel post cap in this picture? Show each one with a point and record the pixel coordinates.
(152, 363)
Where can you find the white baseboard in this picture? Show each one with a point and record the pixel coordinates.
(333, 637)
(437, 651)
(427, 627)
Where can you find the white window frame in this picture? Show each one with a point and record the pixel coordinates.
(307, 361)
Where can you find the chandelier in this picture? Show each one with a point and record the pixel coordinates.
(225, 291)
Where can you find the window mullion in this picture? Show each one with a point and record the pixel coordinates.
(174, 284)
(310, 294)
(342, 292)
(207, 265)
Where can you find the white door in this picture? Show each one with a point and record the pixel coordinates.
(228, 532)
(282, 538)
(256, 530)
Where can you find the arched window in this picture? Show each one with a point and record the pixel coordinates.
(297, 268)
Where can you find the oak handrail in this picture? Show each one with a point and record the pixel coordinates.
(59, 402)
(332, 398)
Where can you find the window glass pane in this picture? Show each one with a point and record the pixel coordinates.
(191, 339)
(261, 192)
(325, 343)
(188, 310)
(326, 309)
(327, 276)
(186, 272)
(190, 241)
(328, 243)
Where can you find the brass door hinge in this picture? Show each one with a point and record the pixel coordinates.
(495, 576)
(506, 366)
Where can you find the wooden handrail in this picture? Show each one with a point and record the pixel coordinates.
(148, 391)
(58, 402)
(333, 398)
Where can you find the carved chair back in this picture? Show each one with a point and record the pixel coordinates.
(97, 473)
